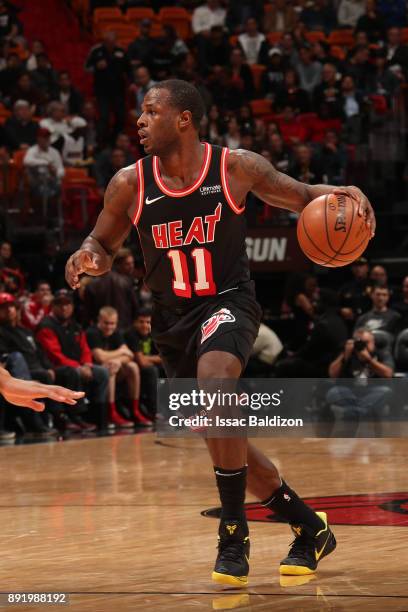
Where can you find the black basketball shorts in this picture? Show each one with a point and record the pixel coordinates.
(227, 322)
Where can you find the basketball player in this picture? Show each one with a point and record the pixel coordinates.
(25, 392)
(186, 199)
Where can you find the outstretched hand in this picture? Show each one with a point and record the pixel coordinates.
(25, 393)
(364, 205)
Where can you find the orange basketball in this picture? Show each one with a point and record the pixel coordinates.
(330, 231)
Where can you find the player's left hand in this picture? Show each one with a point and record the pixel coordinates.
(364, 205)
(26, 392)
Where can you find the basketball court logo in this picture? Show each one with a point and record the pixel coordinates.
(210, 326)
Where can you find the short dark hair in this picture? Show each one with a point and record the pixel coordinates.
(144, 312)
(184, 96)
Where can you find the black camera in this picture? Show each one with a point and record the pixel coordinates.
(360, 345)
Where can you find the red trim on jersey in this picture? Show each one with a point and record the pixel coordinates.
(140, 180)
(177, 193)
(224, 180)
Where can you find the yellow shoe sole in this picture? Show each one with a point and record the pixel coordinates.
(295, 570)
(236, 581)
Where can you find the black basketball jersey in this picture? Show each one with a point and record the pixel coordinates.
(193, 240)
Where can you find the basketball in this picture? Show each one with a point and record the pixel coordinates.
(330, 231)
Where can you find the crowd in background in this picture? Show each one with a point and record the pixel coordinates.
(323, 101)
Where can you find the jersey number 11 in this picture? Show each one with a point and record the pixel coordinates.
(204, 281)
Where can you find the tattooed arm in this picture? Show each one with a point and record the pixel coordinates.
(252, 172)
(96, 254)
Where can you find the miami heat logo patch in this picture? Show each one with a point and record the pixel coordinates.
(210, 326)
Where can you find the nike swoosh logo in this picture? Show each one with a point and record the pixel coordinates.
(318, 554)
(154, 200)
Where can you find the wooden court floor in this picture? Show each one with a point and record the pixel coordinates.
(116, 522)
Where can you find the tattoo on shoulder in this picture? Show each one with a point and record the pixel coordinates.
(253, 165)
(125, 177)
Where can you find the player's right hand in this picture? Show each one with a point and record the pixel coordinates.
(80, 262)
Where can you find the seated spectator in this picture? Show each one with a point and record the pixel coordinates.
(110, 350)
(280, 17)
(287, 45)
(272, 78)
(292, 130)
(37, 47)
(92, 136)
(65, 344)
(371, 23)
(333, 159)
(44, 167)
(74, 152)
(103, 162)
(352, 108)
(319, 16)
(328, 92)
(241, 82)
(12, 277)
(380, 316)
(44, 76)
(290, 94)
(354, 295)
(253, 43)
(37, 306)
(266, 350)
(213, 50)
(9, 24)
(10, 75)
(379, 276)
(116, 289)
(139, 88)
(238, 13)
(349, 12)
(383, 81)
(141, 49)
(105, 172)
(308, 69)
(359, 360)
(396, 52)
(215, 126)
(280, 153)
(26, 90)
(328, 335)
(173, 43)
(206, 16)
(402, 305)
(139, 340)
(301, 294)
(360, 68)
(7, 259)
(232, 138)
(67, 94)
(306, 165)
(21, 130)
(56, 123)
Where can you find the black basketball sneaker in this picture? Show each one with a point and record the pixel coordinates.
(232, 564)
(308, 549)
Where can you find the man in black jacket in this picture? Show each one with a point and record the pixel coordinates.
(20, 129)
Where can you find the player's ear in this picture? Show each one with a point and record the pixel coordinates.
(185, 119)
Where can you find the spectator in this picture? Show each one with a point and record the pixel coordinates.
(253, 43)
(266, 350)
(65, 344)
(272, 78)
(37, 306)
(241, 80)
(176, 46)
(49, 264)
(142, 83)
(383, 81)
(349, 12)
(290, 94)
(361, 68)
(91, 131)
(139, 340)
(37, 47)
(402, 306)
(104, 172)
(74, 152)
(44, 167)
(213, 50)
(293, 131)
(7, 259)
(9, 25)
(215, 126)
(371, 23)
(328, 93)
(56, 123)
(114, 289)
(290, 56)
(379, 276)
(67, 94)
(206, 16)
(10, 75)
(352, 107)
(140, 51)
(333, 159)
(44, 76)
(26, 90)
(281, 17)
(310, 71)
(232, 138)
(110, 350)
(393, 12)
(380, 316)
(355, 294)
(109, 65)
(319, 16)
(103, 164)
(397, 53)
(239, 12)
(280, 153)
(301, 293)
(306, 166)
(21, 130)
(326, 339)
(12, 278)
(359, 360)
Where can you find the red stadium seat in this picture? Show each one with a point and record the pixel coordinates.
(344, 38)
(273, 37)
(107, 14)
(179, 18)
(261, 107)
(313, 37)
(136, 15)
(257, 72)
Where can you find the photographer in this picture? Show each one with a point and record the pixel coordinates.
(360, 362)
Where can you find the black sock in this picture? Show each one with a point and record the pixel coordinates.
(288, 505)
(231, 486)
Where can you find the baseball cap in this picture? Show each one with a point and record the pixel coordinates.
(63, 295)
(274, 51)
(43, 132)
(6, 298)
(77, 122)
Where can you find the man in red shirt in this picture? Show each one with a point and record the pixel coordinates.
(37, 306)
(65, 344)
